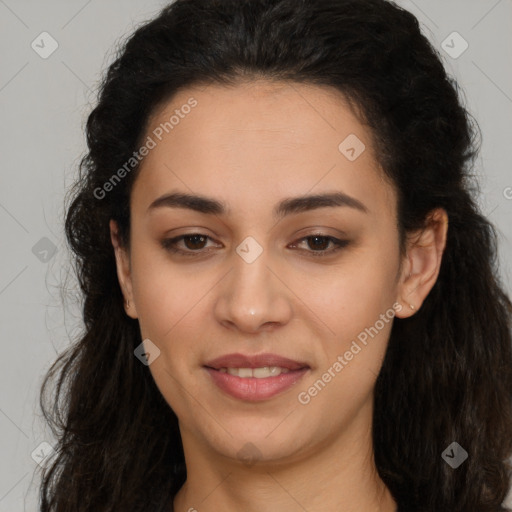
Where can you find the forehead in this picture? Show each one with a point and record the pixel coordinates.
(259, 139)
(259, 111)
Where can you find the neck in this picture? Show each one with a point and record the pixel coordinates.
(337, 475)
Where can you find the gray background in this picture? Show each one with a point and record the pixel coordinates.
(44, 104)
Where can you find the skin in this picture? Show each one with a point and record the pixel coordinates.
(251, 146)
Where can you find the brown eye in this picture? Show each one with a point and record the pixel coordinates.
(194, 241)
(193, 244)
(317, 244)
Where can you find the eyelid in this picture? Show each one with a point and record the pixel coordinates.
(168, 244)
(336, 242)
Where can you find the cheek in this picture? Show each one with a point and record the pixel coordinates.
(360, 313)
(356, 305)
(352, 296)
(169, 303)
(173, 313)
(165, 293)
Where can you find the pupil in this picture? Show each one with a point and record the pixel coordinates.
(316, 238)
(196, 239)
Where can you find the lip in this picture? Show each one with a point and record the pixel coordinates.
(254, 361)
(251, 388)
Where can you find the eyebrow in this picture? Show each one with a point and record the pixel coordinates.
(286, 207)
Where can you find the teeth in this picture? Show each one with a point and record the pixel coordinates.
(242, 372)
(258, 373)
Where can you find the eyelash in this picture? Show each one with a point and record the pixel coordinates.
(169, 245)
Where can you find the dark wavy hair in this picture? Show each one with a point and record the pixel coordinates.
(447, 373)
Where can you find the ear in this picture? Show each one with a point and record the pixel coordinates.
(123, 269)
(422, 262)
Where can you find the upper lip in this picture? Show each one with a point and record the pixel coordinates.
(254, 361)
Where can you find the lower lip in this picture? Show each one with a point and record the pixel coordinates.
(254, 389)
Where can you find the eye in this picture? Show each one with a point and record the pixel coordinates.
(319, 242)
(195, 242)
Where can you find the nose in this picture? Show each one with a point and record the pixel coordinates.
(253, 296)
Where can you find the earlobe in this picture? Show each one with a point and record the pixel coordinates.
(123, 270)
(424, 255)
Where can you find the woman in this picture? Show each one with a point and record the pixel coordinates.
(291, 298)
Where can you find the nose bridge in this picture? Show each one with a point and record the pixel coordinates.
(252, 296)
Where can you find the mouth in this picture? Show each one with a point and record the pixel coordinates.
(255, 378)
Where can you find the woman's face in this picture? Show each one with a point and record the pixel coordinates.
(261, 280)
